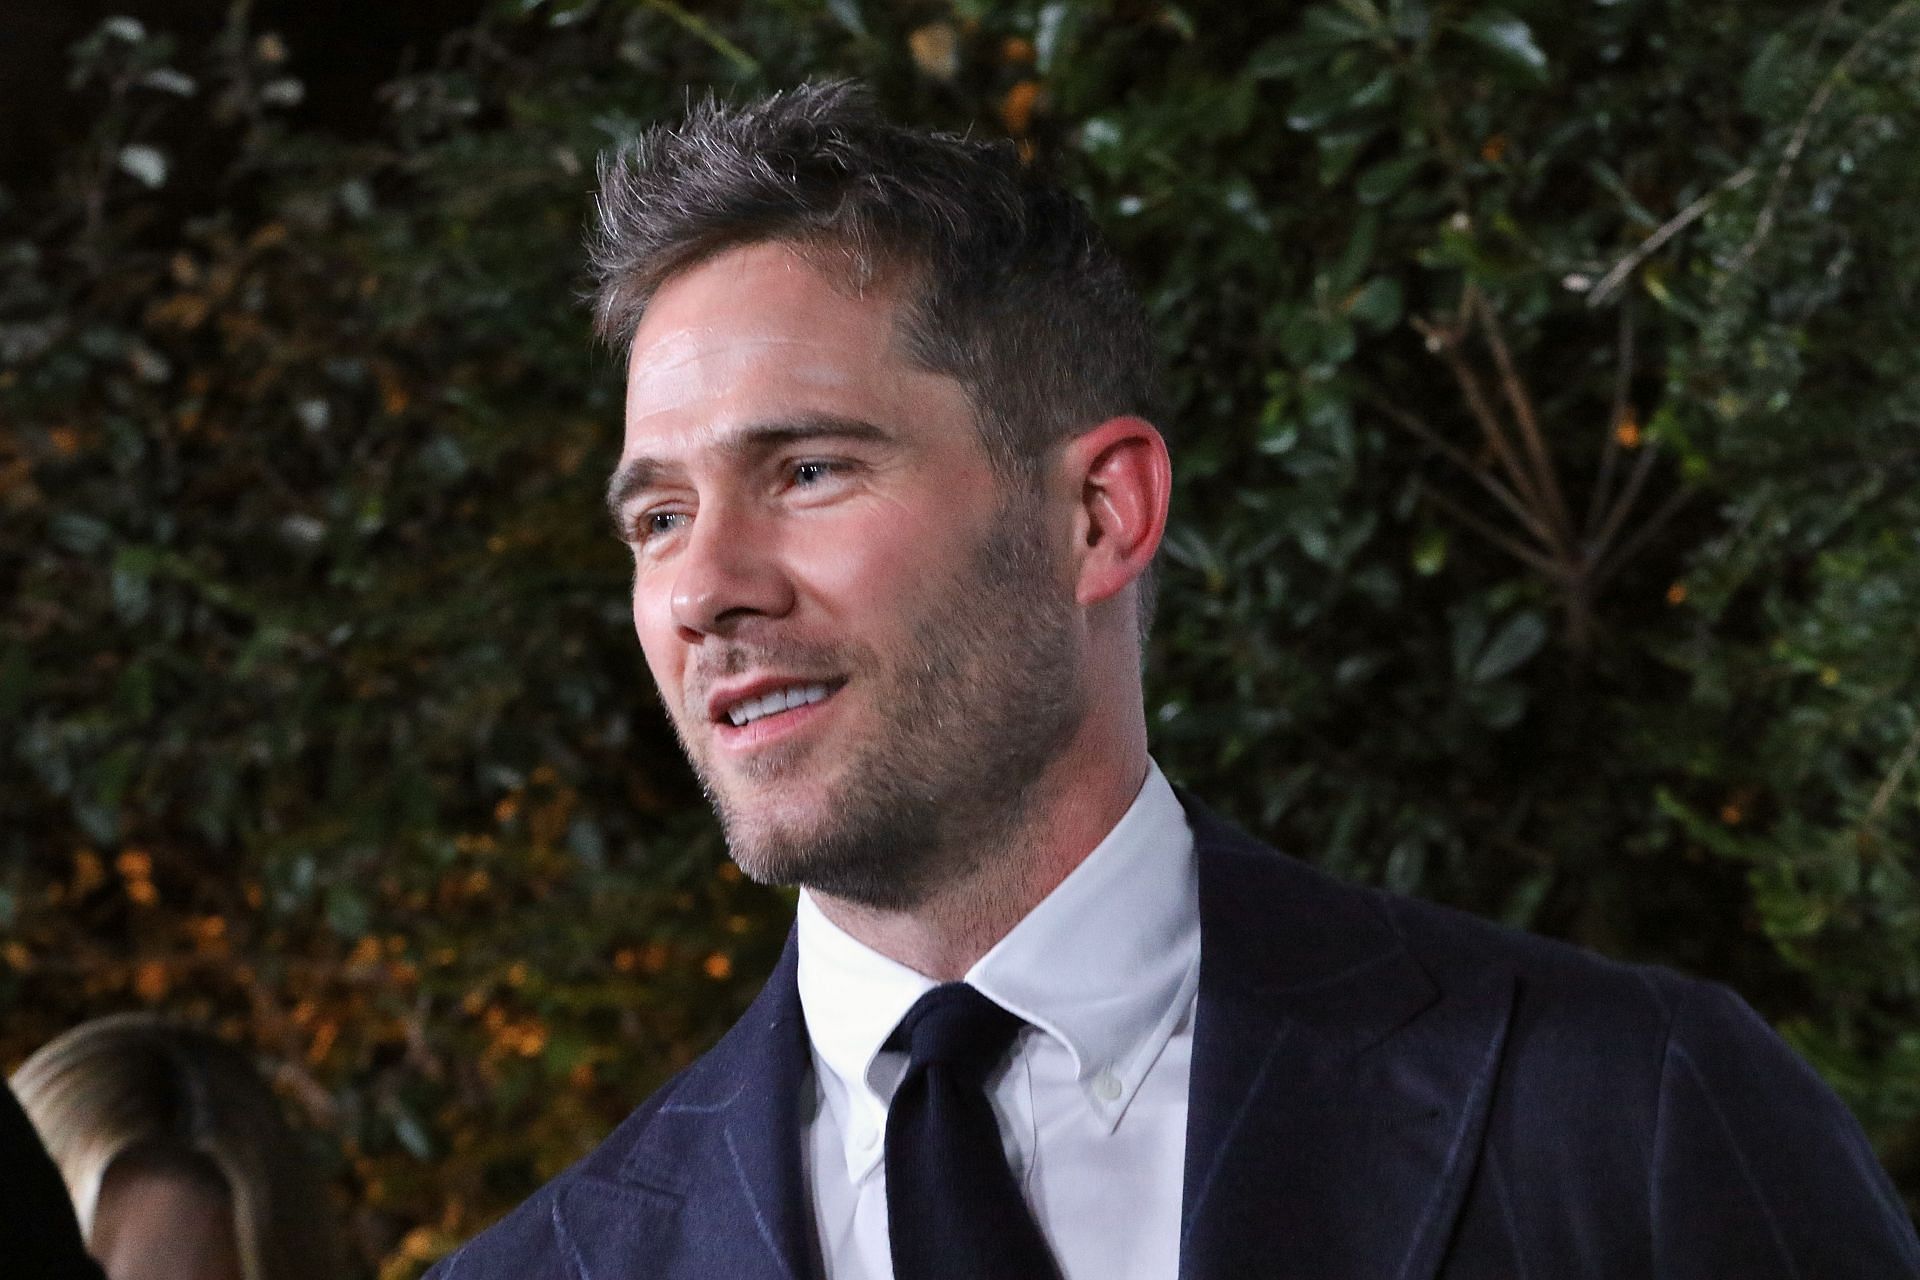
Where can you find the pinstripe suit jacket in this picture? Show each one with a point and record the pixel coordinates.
(1382, 1089)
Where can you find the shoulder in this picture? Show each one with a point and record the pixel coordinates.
(1574, 1004)
(1686, 1113)
(624, 1198)
(1592, 1042)
(1556, 983)
(1631, 1102)
(1584, 1032)
(1303, 926)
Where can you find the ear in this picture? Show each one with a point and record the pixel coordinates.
(1124, 480)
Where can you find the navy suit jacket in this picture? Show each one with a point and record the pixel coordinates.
(1382, 1089)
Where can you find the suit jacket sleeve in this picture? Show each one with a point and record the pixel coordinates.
(38, 1233)
(1758, 1169)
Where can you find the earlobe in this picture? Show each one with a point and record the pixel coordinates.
(1125, 482)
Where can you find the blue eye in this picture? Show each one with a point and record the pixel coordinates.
(653, 524)
(810, 473)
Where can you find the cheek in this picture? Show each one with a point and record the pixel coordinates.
(654, 627)
(878, 573)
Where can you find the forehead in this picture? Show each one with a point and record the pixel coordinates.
(761, 333)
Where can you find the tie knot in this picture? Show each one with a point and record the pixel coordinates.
(955, 1027)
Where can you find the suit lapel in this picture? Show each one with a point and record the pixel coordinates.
(713, 1184)
(1338, 1092)
(1338, 1097)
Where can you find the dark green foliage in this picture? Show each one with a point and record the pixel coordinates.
(1545, 397)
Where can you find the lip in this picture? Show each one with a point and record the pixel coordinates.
(777, 727)
(728, 695)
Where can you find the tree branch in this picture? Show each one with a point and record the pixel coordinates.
(1521, 401)
(1446, 344)
(1617, 275)
(1883, 797)
(1618, 558)
(1553, 569)
(1459, 457)
(1642, 466)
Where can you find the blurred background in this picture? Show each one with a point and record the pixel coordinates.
(1545, 406)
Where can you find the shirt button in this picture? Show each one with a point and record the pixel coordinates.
(1106, 1087)
(868, 1139)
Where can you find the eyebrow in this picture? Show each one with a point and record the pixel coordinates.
(637, 475)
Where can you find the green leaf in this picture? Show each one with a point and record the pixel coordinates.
(1509, 37)
(1378, 304)
(1283, 59)
(847, 14)
(1515, 642)
(1364, 11)
(1411, 20)
(1499, 706)
(1050, 34)
(407, 1127)
(1406, 864)
(1357, 256)
(132, 583)
(1338, 151)
(1469, 627)
(1523, 904)
(148, 164)
(1383, 181)
(1770, 81)
(1430, 552)
(1185, 545)
(81, 534)
(1329, 100)
(1346, 24)
(348, 912)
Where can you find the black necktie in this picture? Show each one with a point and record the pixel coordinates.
(954, 1211)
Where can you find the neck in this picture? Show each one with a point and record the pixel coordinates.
(1072, 810)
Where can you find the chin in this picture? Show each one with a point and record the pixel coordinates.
(768, 835)
(817, 848)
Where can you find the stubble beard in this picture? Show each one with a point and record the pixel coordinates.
(987, 698)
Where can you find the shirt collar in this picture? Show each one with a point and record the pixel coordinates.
(1106, 964)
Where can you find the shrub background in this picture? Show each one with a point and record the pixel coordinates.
(1546, 416)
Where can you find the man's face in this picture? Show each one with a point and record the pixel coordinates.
(862, 633)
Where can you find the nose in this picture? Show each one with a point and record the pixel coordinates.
(728, 572)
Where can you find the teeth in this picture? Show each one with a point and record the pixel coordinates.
(767, 704)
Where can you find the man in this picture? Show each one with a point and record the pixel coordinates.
(893, 513)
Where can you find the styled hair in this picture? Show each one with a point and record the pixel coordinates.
(1007, 285)
(159, 1095)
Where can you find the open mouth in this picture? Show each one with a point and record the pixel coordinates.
(779, 701)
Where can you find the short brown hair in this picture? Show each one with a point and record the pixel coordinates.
(1010, 288)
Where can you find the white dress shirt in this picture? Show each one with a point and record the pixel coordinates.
(1092, 1102)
